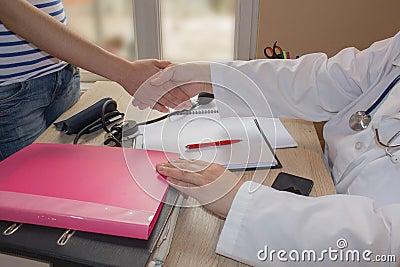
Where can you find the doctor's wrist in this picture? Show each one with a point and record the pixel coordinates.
(225, 203)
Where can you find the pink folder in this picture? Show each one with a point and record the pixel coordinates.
(89, 188)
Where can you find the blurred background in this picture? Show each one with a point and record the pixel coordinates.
(198, 30)
(107, 23)
(190, 30)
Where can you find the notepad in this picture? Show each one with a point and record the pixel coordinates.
(89, 188)
(273, 128)
(254, 150)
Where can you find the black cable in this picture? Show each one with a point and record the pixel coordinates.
(102, 119)
(204, 98)
(83, 131)
(103, 113)
(112, 139)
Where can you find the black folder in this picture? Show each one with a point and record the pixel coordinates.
(83, 248)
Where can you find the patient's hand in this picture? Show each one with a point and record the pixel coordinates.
(211, 184)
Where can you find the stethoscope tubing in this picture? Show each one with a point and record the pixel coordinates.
(383, 95)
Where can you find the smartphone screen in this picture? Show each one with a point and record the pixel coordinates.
(292, 183)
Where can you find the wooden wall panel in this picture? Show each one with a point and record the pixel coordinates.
(308, 26)
(325, 26)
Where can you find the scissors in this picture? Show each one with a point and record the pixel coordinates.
(273, 52)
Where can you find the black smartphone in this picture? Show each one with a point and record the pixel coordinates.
(292, 183)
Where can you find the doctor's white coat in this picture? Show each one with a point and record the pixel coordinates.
(365, 214)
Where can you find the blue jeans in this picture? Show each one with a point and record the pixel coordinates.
(28, 108)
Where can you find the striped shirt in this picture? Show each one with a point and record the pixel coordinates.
(21, 60)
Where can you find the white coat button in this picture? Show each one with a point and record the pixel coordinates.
(358, 145)
(394, 159)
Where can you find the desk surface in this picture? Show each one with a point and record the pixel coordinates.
(197, 231)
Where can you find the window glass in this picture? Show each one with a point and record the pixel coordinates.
(197, 29)
(108, 23)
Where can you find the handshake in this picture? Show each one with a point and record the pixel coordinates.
(173, 87)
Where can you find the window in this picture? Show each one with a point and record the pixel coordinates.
(177, 30)
(197, 30)
(107, 23)
(152, 15)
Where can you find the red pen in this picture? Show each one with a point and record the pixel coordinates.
(216, 143)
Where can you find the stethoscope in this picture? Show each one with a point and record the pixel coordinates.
(361, 120)
(130, 129)
(387, 145)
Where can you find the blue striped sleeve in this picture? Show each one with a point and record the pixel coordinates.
(13, 43)
(21, 53)
(57, 12)
(4, 33)
(13, 75)
(48, 4)
(46, 71)
(21, 60)
(64, 19)
(24, 63)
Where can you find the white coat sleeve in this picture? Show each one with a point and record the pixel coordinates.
(268, 220)
(313, 87)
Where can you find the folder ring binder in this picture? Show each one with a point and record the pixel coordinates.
(62, 241)
(12, 229)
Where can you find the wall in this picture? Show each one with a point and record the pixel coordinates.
(307, 26)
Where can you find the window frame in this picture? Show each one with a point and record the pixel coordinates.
(247, 14)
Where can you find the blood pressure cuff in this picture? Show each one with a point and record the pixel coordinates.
(80, 120)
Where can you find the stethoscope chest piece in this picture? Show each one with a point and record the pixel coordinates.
(359, 121)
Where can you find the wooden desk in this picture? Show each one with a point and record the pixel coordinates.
(197, 231)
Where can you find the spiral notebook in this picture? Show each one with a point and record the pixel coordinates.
(273, 128)
(201, 111)
(208, 110)
(255, 150)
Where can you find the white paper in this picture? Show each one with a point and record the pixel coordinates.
(276, 133)
(204, 124)
(251, 152)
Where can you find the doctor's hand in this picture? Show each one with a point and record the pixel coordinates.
(136, 81)
(139, 71)
(176, 85)
(211, 184)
